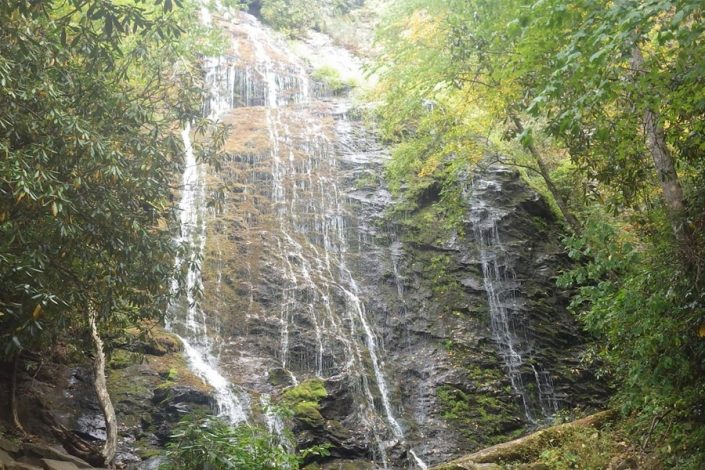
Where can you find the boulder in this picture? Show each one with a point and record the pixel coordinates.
(5, 459)
(9, 446)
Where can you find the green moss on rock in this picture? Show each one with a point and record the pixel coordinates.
(308, 413)
(481, 417)
(304, 400)
(308, 390)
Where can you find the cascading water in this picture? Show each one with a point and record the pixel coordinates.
(185, 317)
(529, 381)
(283, 270)
(296, 304)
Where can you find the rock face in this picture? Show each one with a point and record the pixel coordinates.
(149, 383)
(427, 337)
(427, 281)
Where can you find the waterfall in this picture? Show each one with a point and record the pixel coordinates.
(297, 303)
(304, 268)
(185, 317)
(508, 323)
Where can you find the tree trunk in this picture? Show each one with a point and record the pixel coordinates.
(663, 162)
(543, 169)
(101, 388)
(13, 394)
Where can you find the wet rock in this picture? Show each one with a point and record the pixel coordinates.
(9, 446)
(21, 466)
(347, 465)
(177, 394)
(534, 466)
(279, 377)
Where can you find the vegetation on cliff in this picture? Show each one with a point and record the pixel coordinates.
(295, 17)
(600, 106)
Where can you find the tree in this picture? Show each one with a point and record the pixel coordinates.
(92, 94)
(602, 76)
(472, 54)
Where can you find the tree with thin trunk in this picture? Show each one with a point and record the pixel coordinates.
(671, 189)
(548, 180)
(101, 388)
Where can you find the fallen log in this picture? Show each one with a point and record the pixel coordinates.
(526, 448)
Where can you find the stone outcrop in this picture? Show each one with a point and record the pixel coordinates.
(36, 456)
(151, 393)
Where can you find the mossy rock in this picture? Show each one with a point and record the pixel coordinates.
(308, 390)
(337, 430)
(481, 417)
(307, 412)
(121, 358)
(167, 341)
(152, 340)
(278, 376)
(304, 400)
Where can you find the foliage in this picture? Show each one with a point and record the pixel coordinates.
(648, 313)
(209, 443)
(92, 95)
(332, 79)
(580, 447)
(293, 17)
(600, 105)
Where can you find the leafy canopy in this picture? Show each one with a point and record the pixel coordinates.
(92, 97)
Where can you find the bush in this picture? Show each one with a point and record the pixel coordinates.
(292, 17)
(645, 310)
(332, 79)
(209, 443)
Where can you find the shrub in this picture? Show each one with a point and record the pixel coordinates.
(292, 17)
(209, 443)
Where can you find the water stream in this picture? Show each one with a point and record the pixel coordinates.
(185, 317)
(529, 381)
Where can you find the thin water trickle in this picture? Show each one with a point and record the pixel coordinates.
(186, 318)
(508, 325)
